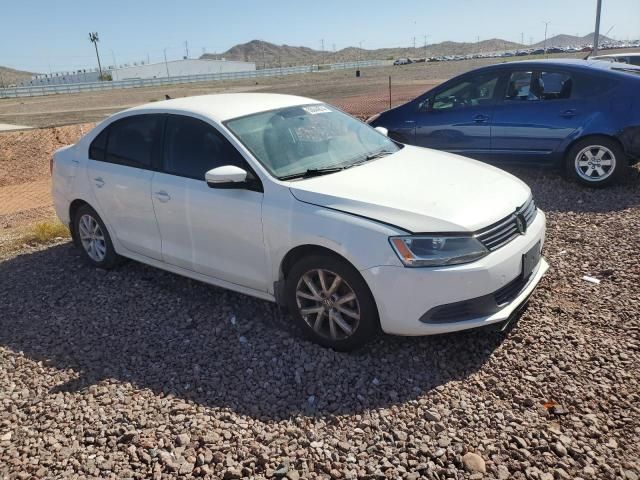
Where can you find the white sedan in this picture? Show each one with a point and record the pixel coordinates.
(291, 200)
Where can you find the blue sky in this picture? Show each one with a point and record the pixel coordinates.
(37, 35)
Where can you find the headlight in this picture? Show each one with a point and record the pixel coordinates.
(432, 251)
(373, 119)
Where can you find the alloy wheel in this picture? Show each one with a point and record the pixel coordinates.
(595, 163)
(92, 238)
(328, 304)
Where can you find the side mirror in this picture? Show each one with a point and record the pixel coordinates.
(383, 131)
(227, 176)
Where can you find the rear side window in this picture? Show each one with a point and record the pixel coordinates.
(98, 148)
(133, 141)
(534, 86)
(555, 85)
(193, 147)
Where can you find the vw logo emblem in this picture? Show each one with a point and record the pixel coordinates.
(521, 223)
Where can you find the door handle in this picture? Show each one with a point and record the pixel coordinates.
(480, 118)
(99, 182)
(568, 113)
(162, 196)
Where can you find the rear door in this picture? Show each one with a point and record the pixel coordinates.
(538, 110)
(215, 232)
(458, 118)
(120, 169)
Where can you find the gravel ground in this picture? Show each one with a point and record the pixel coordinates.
(138, 373)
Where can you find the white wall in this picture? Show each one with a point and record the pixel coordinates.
(181, 67)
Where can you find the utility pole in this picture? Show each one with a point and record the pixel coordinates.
(546, 25)
(166, 65)
(186, 49)
(477, 43)
(322, 49)
(522, 38)
(414, 42)
(115, 66)
(596, 33)
(93, 38)
(425, 48)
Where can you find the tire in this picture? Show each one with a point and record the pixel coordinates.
(596, 161)
(332, 320)
(93, 239)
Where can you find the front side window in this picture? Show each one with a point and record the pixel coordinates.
(132, 141)
(300, 140)
(470, 92)
(193, 147)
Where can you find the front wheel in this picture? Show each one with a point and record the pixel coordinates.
(596, 161)
(331, 302)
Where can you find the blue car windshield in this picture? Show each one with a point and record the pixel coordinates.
(308, 138)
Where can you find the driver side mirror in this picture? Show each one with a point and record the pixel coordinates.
(227, 176)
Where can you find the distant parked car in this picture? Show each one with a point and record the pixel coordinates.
(292, 201)
(630, 58)
(403, 61)
(583, 116)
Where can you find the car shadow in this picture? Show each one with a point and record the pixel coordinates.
(183, 338)
(555, 193)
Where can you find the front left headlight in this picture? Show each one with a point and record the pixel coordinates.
(437, 251)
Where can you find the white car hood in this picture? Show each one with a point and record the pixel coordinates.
(419, 190)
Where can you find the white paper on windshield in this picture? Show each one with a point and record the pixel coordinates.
(315, 109)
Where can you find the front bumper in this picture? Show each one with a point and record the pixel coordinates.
(405, 295)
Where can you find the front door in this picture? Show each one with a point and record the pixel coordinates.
(458, 118)
(215, 232)
(120, 171)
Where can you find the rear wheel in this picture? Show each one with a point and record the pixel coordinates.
(331, 302)
(596, 161)
(93, 238)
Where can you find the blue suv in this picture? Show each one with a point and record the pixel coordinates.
(580, 115)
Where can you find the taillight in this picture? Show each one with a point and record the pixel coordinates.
(51, 165)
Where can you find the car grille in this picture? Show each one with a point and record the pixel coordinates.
(505, 230)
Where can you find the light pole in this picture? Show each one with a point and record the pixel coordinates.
(546, 24)
(93, 38)
(166, 65)
(596, 33)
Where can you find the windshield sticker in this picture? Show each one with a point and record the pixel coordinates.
(315, 109)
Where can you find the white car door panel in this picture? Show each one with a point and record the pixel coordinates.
(124, 196)
(216, 232)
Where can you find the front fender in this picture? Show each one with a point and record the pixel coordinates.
(362, 242)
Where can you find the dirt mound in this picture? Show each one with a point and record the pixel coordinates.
(24, 156)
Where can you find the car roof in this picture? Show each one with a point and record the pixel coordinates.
(224, 106)
(573, 63)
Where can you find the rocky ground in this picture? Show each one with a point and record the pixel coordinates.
(138, 373)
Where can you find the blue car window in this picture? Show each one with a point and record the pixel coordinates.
(522, 87)
(469, 92)
(556, 85)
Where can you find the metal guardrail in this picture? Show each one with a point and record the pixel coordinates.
(40, 90)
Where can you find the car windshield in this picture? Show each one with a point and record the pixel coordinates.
(308, 139)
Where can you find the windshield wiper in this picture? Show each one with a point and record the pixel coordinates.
(312, 172)
(371, 156)
(381, 153)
